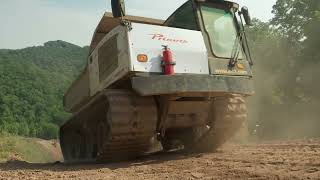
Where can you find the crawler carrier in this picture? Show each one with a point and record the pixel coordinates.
(180, 81)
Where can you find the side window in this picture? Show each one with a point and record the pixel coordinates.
(184, 18)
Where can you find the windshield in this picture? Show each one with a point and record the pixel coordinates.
(222, 32)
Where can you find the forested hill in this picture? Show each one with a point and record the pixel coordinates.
(32, 83)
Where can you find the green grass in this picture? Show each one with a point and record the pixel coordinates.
(25, 148)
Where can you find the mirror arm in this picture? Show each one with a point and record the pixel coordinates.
(246, 15)
(245, 41)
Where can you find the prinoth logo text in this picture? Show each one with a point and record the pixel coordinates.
(161, 37)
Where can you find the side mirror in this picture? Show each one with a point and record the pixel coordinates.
(246, 15)
(118, 8)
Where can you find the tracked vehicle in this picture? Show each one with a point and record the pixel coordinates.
(182, 82)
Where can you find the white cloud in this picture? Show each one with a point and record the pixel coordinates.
(155, 9)
(33, 22)
(259, 8)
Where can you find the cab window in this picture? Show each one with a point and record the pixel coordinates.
(184, 17)
(222, 31)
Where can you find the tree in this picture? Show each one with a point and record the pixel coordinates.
(32, 83)
(286, 49)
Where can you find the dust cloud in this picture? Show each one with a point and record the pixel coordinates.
(286, 103)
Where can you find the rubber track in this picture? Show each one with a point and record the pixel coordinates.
(132, 120)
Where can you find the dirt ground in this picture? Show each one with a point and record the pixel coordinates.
(274, 160)
(53, 147)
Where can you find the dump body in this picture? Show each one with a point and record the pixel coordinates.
(115, 57)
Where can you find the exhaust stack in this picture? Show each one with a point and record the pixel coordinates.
(118, 8)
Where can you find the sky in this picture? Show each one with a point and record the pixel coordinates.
(25, 23)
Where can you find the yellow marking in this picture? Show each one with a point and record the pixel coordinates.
(240, 66)
(225, 71)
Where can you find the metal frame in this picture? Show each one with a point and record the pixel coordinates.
(193, 85)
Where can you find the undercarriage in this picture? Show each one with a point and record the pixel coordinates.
(121, 125)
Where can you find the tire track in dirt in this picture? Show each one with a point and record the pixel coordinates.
(274, 160)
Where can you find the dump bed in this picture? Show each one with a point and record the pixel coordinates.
(78, 93)
(108, 22)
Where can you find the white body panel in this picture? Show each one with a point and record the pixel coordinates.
(188, 47)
